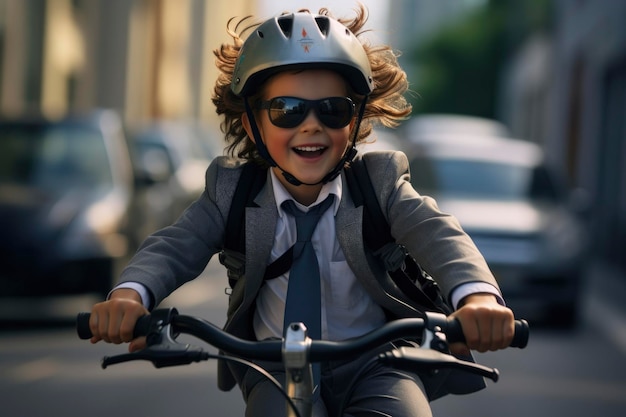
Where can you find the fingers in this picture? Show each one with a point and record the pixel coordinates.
(459, 349)
(486, 327)
(113, 321)
(137, 344)
(93, 326)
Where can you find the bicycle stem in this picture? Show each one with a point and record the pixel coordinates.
(298, 370)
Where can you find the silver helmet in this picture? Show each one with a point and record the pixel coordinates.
(301, 41)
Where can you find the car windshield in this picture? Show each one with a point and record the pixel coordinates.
(468, 178)
(53, 157)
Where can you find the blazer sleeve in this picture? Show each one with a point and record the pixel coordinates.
(179, 253)
(435, 239)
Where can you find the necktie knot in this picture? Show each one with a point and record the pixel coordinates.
(306, 222)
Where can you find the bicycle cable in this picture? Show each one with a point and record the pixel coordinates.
(263, 373)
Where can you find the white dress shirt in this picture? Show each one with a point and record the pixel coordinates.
(347, 309)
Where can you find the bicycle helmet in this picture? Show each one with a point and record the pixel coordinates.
(301, 41)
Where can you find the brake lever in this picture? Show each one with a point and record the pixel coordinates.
(434, 353)
(426, 360)
(161, 356)
(162, 348)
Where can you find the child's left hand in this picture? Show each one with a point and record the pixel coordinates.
(487, 325)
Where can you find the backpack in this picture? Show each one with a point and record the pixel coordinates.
(403, 269)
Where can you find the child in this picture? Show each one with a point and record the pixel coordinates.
(296, 97)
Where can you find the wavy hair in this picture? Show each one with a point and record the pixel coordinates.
(385, 106)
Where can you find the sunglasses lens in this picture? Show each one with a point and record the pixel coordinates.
(335, 112)
(289, 112)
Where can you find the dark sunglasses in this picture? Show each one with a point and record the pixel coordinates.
(289, 112)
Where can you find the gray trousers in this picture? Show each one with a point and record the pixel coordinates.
(380, 391)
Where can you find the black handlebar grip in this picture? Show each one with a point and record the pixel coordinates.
(142, 327)
(82, 325)
(522, 333)
(454, 332)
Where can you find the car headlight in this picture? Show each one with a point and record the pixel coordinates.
(105, 216)
(98, 228)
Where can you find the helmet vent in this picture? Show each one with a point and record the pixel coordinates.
(286, 25)
(323, 24)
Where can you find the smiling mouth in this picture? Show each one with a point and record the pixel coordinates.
(309, 151)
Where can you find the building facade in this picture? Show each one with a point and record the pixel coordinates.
(567, 91)
(147, 59)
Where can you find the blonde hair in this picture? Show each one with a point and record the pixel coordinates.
(385, 105)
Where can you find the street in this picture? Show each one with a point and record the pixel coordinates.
(48, 371)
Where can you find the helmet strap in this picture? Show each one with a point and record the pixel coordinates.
(351, 152)
(258, 141)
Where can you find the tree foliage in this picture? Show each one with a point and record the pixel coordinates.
(458, 69)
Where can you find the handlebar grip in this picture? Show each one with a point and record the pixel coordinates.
(454, 333)
(522, 333)
(82, 326)
(142, 327)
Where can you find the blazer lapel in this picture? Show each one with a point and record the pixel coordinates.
(260, 229)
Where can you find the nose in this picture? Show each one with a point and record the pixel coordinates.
(311, 121)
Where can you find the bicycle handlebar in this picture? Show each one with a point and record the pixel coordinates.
(320, 350)
(297, 352)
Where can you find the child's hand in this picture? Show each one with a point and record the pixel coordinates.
(114, 320)
(487, 325)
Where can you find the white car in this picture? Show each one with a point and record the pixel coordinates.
(518, 212)
(454, 124)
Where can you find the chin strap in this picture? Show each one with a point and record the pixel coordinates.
(260, 146)
(347, 158)
(349, 155)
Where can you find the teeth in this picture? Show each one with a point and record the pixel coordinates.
(309, 148)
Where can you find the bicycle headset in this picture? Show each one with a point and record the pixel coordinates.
(301, 41)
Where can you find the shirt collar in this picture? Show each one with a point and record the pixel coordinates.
(281, 194)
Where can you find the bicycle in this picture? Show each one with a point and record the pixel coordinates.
(297, 351)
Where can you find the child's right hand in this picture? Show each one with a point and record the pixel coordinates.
(114, 320)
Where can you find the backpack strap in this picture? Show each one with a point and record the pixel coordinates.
(252, 179)
(232, 256)
(403, 269)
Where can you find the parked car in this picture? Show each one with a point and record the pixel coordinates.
(458, 124)
(170, 159)
(65, 196)
(381, 140)
(518, 212)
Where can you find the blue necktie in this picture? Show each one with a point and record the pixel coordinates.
(304, 294)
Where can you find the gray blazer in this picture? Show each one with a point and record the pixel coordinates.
(179, 253)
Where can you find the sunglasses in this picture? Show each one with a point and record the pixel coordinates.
(289, 112)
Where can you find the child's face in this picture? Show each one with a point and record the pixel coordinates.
(311, 149)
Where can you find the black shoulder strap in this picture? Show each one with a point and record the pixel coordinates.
(252, 179)
(402, 267)
(376, 232)
(250, 182)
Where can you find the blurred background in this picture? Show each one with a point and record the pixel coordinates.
(519, 129)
